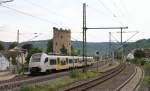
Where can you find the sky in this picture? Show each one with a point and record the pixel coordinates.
(40, 16)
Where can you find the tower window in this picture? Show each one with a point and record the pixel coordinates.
(61, 36)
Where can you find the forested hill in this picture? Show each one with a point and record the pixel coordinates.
(143, 43)
(92, 47)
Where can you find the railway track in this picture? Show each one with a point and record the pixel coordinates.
(133, 83)
(98, 80)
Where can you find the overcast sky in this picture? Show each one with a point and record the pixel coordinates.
(40, 16)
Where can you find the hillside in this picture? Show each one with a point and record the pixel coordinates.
(92, 47)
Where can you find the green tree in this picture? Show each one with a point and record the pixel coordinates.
(63, 50)
(12, 45)
(32, 51)
(50, 46)
(1, 46)
(74, 52)
(139, 53)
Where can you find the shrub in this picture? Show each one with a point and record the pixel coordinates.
(147, 80)
(75, 73)
(26, 88)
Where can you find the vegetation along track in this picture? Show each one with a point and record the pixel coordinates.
(17, 82)
(98, 80)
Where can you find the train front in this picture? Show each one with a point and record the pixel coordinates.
(36, 63)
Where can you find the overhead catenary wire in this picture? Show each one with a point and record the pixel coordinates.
(6, 1)
(118, 8)
(109, 10)
(28, 14)
(42, 7)
(111, 16)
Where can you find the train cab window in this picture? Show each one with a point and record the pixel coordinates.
(52, 62)
(46, 60)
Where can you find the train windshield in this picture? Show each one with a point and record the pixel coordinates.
(36, 57)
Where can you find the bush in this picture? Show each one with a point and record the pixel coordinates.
(147, 68)
(75, 73)
(147, 81)
(26, 88)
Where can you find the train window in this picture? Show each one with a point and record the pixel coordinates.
(46, 60)
(34, 59)
(63, 62)
(61, 36)
(67, 60)
(82, 60)
(75, 60)
(52, 62)
(70, 61)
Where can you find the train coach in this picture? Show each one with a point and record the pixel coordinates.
(42, 62)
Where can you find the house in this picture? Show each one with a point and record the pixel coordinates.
(4, 63)
(130, 56)
(16, 58)
(147, 53)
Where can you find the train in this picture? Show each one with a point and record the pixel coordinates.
(45, 63)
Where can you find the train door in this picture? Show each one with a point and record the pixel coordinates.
(67, 63)
(46, 64)
(71, 64)
(58, 65)
(63, 64)
(53, 64)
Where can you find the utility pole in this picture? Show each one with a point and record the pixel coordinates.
(18, 37)
(110, 44)
(17, 50)
(121, 37)
(84, 37)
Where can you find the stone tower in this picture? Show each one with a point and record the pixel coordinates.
(61, 39)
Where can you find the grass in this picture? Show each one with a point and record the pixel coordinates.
(75, 75)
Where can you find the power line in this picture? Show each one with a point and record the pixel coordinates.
(28, 14)
(117, 7)
(44, 8)
(6, 1)
(114, 15)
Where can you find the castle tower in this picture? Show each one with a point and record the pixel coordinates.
(61, 41)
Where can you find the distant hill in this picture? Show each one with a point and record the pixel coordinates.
(92, 47)
(143, 43)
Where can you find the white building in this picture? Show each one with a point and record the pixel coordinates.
(4, 63)
(130, 56)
